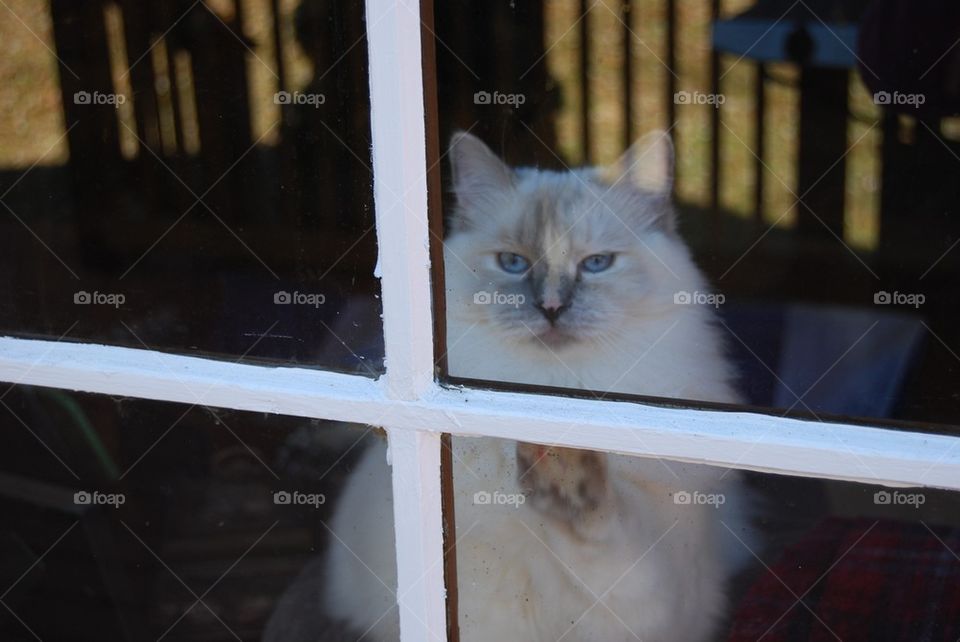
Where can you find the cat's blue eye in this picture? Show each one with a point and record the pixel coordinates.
(597, 262)
(512, 263)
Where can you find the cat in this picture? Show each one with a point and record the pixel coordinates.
(565, 279)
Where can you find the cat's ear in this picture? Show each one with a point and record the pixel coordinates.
(479, 177)
(647, 165)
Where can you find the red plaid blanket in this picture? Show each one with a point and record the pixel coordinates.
(858, 579)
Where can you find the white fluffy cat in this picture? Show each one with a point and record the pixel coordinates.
(565, 279)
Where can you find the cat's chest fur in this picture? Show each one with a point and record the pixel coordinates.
(651, 568)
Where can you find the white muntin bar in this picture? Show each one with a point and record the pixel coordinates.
(418, 523)
(400, 199)
(748, 440)
(400, 193)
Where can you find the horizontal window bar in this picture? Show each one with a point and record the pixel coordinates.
(746, 440)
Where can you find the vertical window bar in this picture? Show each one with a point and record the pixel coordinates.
(400, 194)
(400, 198)
(415, 459)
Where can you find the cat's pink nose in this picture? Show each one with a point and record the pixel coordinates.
(551, 300)
(551, 312)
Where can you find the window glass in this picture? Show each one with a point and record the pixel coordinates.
(141, 520)
(190, 176)
(554, 544)
(755, 207)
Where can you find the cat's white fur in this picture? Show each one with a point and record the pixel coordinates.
(643, 567)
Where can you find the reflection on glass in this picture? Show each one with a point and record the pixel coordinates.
(554, 543)
(648, 199)
(813, 181)
(190, 177)
(138, 520)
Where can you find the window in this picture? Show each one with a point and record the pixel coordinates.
(173, 253)
(194, 202)
(167, 520)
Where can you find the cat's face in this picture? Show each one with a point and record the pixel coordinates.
(561, 258)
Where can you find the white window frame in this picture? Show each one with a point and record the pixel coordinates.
(415, 409)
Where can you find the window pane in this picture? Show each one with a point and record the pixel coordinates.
(754, 208)
(141, 520)
(192, 177)
(554, 543)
